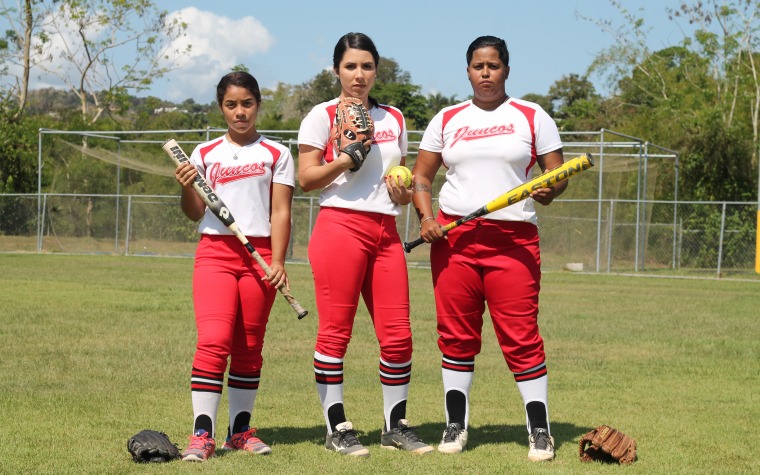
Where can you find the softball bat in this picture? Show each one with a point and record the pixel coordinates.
(220, 210)
(563, 172)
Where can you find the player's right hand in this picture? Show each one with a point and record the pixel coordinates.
(431, 231)
(185, 174)
(277, 277)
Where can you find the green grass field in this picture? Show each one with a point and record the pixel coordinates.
(96, 348)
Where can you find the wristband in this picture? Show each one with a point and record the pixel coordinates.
(429, 217)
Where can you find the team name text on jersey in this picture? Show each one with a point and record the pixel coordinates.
(465, 133)
(219, 175)
(383, 136)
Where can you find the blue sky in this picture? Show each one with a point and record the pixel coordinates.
(291, 41)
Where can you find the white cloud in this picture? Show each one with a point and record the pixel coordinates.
(217, 44)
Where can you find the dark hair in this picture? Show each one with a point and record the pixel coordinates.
(355, 41)
(240, 79)
(486, 41)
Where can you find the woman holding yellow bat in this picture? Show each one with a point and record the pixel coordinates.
(488, 144)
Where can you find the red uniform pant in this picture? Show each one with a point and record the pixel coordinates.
(353, 253)
(232, 304)
(494, 262)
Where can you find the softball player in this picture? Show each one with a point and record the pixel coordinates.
(355, 249)
(231, 294)
(489, 145)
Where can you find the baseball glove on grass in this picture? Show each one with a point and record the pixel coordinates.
(152, 446)
(605, 444)
(353, 127)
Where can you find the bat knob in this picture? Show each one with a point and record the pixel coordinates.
(407, 247)
(303, 314)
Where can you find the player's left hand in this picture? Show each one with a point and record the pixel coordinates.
(544, 196)
(400, 194)
(278, 276)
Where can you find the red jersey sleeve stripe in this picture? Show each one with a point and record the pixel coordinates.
(396, 114)
(530, 115)
(205, 150)
(273, 150)
(329, 153)
(449, 114)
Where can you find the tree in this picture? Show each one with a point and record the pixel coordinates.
(408, 99)
(392, 86)
(278, 109)
(732, 51)
(84, 44)
(437, 101)
(323, 87)
(20, 41)
(18, 153)
(700, 97)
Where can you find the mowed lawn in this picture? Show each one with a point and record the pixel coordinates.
(96, 348)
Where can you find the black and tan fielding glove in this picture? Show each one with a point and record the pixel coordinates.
(152, 446)
(353, 127)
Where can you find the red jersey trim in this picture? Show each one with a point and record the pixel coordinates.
(275, 156)
(448, 115)
(395, 113)
(329, 153)
(530, 115)
(205, 150)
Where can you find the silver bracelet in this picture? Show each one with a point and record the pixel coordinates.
(429, 217)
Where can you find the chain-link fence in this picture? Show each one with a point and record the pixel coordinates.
(668, 238)
(622, 215)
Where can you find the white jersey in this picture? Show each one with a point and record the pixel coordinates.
(487, 153)
(243, 183)
(363, 190)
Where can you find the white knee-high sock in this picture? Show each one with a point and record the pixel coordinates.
(240, 400)
(394, 378)
(206, 393)
(206, 404)
(242, 390)
(457, 376)
(535, 390)
(328, 373)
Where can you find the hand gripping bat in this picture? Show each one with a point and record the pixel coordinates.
(220, 210)
(545, 180)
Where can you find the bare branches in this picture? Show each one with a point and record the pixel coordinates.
(100, 49)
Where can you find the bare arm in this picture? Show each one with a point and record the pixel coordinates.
(313, 174)
(424, 171)
(547, 162)
(282, 199)
(190, 202)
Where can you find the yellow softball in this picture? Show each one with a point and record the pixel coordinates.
(402, 172)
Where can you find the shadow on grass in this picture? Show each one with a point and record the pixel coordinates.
(292, 435)
(489, 434)
(563, 433)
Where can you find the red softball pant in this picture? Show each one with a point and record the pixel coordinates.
(232, 304)
(351, 253)
(495, 262)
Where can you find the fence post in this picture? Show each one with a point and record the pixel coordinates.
(680, 243)
(599, 203)
(42, 223)
(39, 191)
(720, 241)
(610, 229)
(118, 192)
(129, 225)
